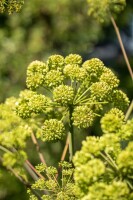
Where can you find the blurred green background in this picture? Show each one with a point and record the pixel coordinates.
(45, 27)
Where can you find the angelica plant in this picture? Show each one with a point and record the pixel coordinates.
(103, 166)
(62, 94)
(68, 92)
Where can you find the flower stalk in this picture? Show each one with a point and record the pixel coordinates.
(122, 46)
(71, 135)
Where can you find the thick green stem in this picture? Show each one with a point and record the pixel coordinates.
(71, 135)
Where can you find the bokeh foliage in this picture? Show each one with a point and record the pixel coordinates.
(41, 28)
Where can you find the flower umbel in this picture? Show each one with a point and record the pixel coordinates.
(72, 92)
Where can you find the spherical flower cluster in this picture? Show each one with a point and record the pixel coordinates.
(55, 62)
(73, 59)
(30, 102)
(100, 9)
(26, 94)
(114, 149)
(14, 138)
(89, 172)
(94, 67)
(92, 145)
(52, 130)
(35, 74)
(54, 78)
(125, 159)
(126, 131)
(115, 190)
(101, 91)
(12, 127)
(39, 103)
(119, 99)
(22, 109)
(109, 77)
(11, 159)
(112, 121)
(74, 72)
(63, 94)
(83, 116)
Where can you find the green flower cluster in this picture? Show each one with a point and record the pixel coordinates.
(55, 62)
(103, 167)
(54, 78)
(116, 190)
(63, 94)
(14, 133)
(52, 130)
(32, 103)
(11, 6)
(101, 10)
(14, 159)
(112, 121)
(51, 186)
(35, 74)
(83, 116)
(74, 72)
(12, 127)
(73, 59)
(120, 99)
(94, 67)
(71, 88)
